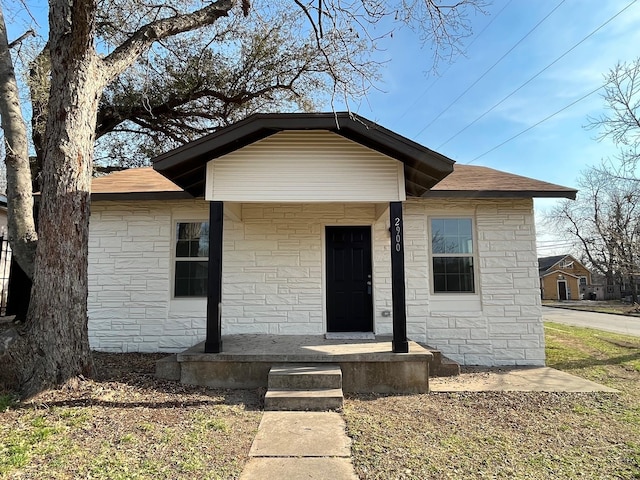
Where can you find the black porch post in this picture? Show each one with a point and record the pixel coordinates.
(213, 342)
(400, 343)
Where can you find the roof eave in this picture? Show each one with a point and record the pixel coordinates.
(125, 196)
(185, 165)
(570, 194)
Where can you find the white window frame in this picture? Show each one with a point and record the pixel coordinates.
(472, 255)
(175, 259)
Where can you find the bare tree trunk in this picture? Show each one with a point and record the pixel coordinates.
(55, 344)
(39, 86)
(22, 232)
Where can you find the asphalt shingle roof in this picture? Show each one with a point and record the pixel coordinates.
(466, 180)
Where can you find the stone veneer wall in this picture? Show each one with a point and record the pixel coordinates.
(130, 254)
(502, 323)
(273, 273)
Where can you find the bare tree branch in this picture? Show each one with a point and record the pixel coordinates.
(123, 56)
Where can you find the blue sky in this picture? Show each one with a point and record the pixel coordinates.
(556, 150)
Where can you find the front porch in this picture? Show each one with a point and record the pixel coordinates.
(367, 365)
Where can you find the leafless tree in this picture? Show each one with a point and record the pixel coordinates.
(605, 219)
(621, 120)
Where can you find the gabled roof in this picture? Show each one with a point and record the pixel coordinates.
(466, 181)
(135, 184)
(185, 166)
(545, 263)
(472, 181)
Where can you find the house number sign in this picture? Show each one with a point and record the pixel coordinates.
(397, 240)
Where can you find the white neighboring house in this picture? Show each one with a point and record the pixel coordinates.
(329, 224)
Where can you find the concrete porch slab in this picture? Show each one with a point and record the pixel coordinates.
(303, 348)
(367, 365)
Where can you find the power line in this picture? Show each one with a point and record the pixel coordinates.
(475, 37)
(489, 69)
(535, 76)
(557, 245)
(536, 124)
(555, 241)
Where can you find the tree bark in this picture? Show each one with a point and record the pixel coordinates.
(22, 232)
(55, 345)
(39, 86)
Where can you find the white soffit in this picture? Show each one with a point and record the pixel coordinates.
(305, 166)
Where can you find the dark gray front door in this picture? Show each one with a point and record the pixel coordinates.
(562, 290)
(349, 299)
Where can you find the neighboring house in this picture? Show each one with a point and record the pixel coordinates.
(603, 289)
(298, 224)
(562, 277)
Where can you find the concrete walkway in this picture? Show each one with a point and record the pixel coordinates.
(518, 379)
(315, 446)
(300, 445)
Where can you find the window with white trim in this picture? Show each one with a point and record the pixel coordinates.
(583, 281)
(191, 259)
(452, 255)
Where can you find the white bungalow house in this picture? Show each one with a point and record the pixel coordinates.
(298, 224)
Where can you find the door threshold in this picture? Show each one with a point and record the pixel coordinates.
(350, 336)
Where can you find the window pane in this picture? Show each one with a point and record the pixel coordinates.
(453, 274)
(192, 239)
(464, 227)
(451, 235)
(437, 243)
(191, 279)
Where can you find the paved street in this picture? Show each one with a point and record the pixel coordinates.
(601, 321)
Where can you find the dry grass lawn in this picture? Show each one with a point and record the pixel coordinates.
(511, 435)
(127, 425)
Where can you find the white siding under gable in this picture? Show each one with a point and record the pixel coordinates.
(305, 166)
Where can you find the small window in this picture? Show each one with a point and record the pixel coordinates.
(192, 258)
(452, 255)
(583, 281)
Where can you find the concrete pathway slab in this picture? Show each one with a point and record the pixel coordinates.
(298, 468)
(301, 434)
(520, 379)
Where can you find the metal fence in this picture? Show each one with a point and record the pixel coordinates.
(5, 271)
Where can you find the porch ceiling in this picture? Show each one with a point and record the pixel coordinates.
(186, 165)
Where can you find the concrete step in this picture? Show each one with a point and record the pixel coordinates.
(441, 366)
(297, 376)
(317, 400)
